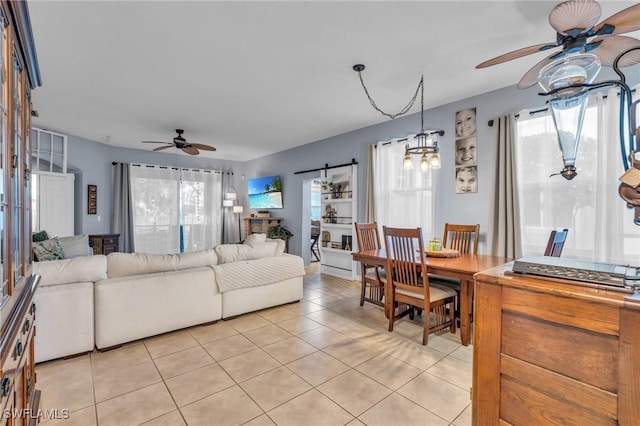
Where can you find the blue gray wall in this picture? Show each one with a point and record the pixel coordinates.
(91, 161)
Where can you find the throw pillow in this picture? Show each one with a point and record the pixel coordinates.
(40, 236)
(254, 239)
(48, 250)
(228, 253)
(75, 246)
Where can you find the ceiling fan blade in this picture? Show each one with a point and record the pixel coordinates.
(611, 46)
(190, 149)
(517, 54)
(531, 77)
(625, 21)
(160, 148)
(574, 17)
(169, 143)
(203, 147)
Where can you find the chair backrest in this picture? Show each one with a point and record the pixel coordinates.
(460, 237)
(556, 242)
(367, 236)
(315, 228)
(403, 247)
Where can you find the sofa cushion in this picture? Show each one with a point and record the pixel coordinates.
(253, 239)
(128, 264)
(196, 259)
(75, 246)
(281, 246)
(50, 249)
(228, 253)
(40, 236)
(268, 249)
(77, 270)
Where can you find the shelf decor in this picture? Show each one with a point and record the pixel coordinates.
(92, 199)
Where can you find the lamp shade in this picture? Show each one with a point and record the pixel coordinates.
(227, 203)
(231, 196)
(238, 209)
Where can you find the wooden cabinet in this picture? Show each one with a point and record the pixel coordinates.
(339, 213)
(19, 74)
(104, 243)
(549, 351)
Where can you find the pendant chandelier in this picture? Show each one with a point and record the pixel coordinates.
(426, 141)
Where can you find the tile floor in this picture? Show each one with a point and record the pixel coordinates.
(323, 361)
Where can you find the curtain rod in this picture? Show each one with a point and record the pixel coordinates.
(327, 167)
(113, 163)
(490, 122)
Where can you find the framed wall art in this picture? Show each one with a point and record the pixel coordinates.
(92, 199)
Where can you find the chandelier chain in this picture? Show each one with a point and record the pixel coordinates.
(403, 110)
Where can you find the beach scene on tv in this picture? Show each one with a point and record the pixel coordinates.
(265, 193)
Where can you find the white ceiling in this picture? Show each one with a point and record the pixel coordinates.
(253, 78)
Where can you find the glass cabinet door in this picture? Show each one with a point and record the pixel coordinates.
(16, 221)
(4, 156)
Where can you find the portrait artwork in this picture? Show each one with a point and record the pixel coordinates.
(466, 159)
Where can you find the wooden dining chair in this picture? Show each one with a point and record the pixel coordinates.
(556, 243)
(463, 238)
(408, 283)
(373, 277)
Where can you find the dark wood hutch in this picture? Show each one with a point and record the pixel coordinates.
(19, 74)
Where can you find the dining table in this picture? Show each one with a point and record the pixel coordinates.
(463, 267)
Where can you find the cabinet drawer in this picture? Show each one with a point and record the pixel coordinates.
(106, 249)
(112, 241)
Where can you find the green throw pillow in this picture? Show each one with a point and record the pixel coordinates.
(48, 250)
(40, 236)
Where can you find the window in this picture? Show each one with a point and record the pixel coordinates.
(600, 226)
(175, 210)
(403, 198)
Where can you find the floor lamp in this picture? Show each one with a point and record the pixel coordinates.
(238, 210)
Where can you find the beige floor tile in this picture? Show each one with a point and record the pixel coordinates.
(318, 367)
(247, 365)
(289, 349)
(441, 343)
(247, 322)
(299, 325)
(414, 353)
(173, 418)
(277, 314)
(170, 343)
(308, 409)
(407, 328)
(309, 295)
(304, 307)
(83, 417)
(229, 346)
(355, 422)
(275, 387)
(464, 419)
(212, 332)
(322, 337)
(66, 384)
(124, 380)
(267, 335)
(182, 362)
(351, 352)
(354, 391)
(436, 395)
(126, 356)
(197, 384)
(454, 371)
(464, 353)
(136, 407)
(397, 410)
(231, 406)
(389, 371)
(380, 340)
(262, 420)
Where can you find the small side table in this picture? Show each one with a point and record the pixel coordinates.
(104, 243)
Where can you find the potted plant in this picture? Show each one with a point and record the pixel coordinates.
(327, 188)
(279, 231)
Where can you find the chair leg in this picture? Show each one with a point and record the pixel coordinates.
(425, 330)
(391, 319)
(452, 317)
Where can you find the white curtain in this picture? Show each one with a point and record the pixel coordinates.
(600, 226)
(175, 210)
(403, 198)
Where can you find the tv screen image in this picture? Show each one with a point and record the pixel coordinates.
(265, 193)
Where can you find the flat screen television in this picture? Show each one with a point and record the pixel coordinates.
(265, 192)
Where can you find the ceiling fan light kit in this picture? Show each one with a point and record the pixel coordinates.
(567, 77)
(181, 143)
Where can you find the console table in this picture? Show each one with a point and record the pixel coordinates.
(259, 225)
(551, 351)
(104, 243)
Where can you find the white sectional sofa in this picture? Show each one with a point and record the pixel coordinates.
(104, 301)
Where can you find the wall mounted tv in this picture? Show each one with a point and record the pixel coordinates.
(265, 193)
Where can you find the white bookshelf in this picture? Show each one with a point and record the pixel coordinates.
(336, 259)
